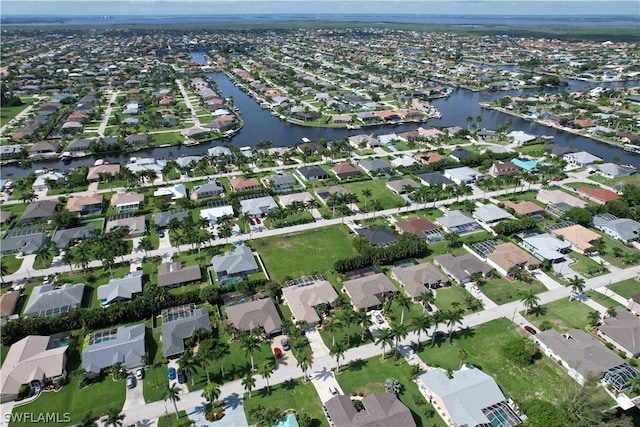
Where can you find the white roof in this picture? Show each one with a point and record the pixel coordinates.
(491, 213)
(212, 214)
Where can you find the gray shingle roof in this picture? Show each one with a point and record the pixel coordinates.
(380, 409)
(127, 348)
(252, 315)
(236, 262)
(462, 267)
(417, 278)
(363, 290)
(172, 273)
(623, 328)
(47, 301)
(627, 229)
(377, 236)
(175, 331)
(35, 211)
(435, 178)
(119, 289)
(62, 237)
(161, 219)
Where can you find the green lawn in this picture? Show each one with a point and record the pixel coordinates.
(9, 113)
(627, 288)
(544, 379)
(172, 420)
(586, 266)
(288, 395)
(379, 191)
(299, 254)
(341, 336)
(601, 299)
(501, 290)
(155, 375)
(368, 376)
(446, 297)
(11, 263)
(563, 315)
(395, 314)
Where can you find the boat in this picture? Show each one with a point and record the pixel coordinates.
(66, 156)
(305, 139)
(628, 166)
(98, 162)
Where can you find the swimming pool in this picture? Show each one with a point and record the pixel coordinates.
(288, 420)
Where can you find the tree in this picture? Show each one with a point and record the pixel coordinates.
(520, 350)
(332, 324)
(365, 323)
(225, 231)
(114, 418)
(338, 351)
(347, 314)
(145, 244)
(68, 257)
(541, 413)
(172, 393)
(366, 193)
(530, 301)
(248, 382)
(89, 420)
(220, 351)
(437, 319)
(594, 318)
(580, 216)
(189, 364)
(42, 254)
(250, 343)
(304, 363)
(462, 356)
(384, 338)
(612, 312)
(392, 385)
(266, 369)
(453, 317)
(405, 303)
(421, 324)
(211, 392)
(577, 285)
(398, 332)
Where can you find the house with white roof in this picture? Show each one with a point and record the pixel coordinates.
(580, 159)
(546, 247)
(463, 175)
(491, 214)
(457, 222)
(258, 207)
(171, 194)
(122, 289)
(520, 137)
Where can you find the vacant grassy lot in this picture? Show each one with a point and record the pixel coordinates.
(288, 395)
(299, 254)
(626, 288)
(501, 290)
(563, 315)
(9, 113)
(446, 297)
(379, 191)
(544, 379)
(601, 299)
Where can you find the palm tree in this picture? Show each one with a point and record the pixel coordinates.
(189, 364)
(114, 418)
(211, 392)
(366, 193)
(398, 332)
(426, 298)
(250, 343)
(205, 354)
(146, 245)
(248, 382)
(68, 257)
(172, 393)
(612, 312)
(530, 301)
(577, 285)
(385, 337)
(220, 351)
(594, 318)
(225, 231)
(332, 324)
(338, 351)
(266, 369)
(304, 363)
(437, 319)
(42, 254)
(347, 315)
(83, 257)
(365, 322)
(89, 420)
(462, 356)
(422, 324)
(404, 302)
(454, 317)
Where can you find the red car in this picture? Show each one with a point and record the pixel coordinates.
(277, 352)
(530, 330)
(257, 220)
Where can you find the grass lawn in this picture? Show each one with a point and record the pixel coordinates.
(288, 395)
(445, 297)
(395, 314)
(41, 264)
(379, 191)
(586, 266)
(155, 375)
(544, 378)
(368, 376)
(601, 299)
(9, 113)
(613, 246)
(563, 315)
(501, 290)
(11, 263)
(627, 288)
(341, 336)
(300, 254)
(167, 138)
(172, 420)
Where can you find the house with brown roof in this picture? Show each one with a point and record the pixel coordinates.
(8, 302)
(506, 255)
(44, 148)
(241, 184)
(462, 268)
(253, 315)
(421, 227)
(42, 210)
(501, 169)
(418, 279)
(580, 237)
(402, 186)
(302, 300)
(173, 275)
(127, 202)
(93, 175)
(622, 331)
(380, 409)
(368, 292)
(86, 205)
(524, 208)
(345, 170)
(598, 195)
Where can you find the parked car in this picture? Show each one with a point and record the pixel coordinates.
(171, 373)
(160, 233)
(139, 373)
(258, 221)
(334, 391)
(530, 330)
(251, 221)
(182, 377)
(285, 344)
(277, 352)
(130, 381)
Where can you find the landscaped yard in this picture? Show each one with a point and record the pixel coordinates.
(10, 263)
(446, 297)
(544, 378)
(563, 315)
(9, 113)
(300, 254)
(501, 290)
(627, 288)
(601, 299)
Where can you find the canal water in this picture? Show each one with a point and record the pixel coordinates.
(260, 125)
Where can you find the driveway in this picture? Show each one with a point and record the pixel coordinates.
(323, 381)
(234, 415)
(287, 356)
(134, 396)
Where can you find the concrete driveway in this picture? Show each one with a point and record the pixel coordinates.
(134, 396)
(323, 381)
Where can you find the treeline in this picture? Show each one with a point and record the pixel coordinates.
(409, 245)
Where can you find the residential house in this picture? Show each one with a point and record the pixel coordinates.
(127, 202)
(379, 409)
(34, 360)
(551, 197)
(598, 195)
(236, 264)
(418, 279)
(363, 141)
(580, 159)
(303, 298)
(254, 315)
(614, 171)
(134, 226)
(624, 229)
(312, 173)
(44, 148)
(86, 205)
(301, 197)
(216, 210)
(23, 241)
(403, 161)
(525, 208)
(462, 268)
(421, 227)
(402, 186)
(93, 175)
(468, 397)
(47, 301)
(137, 140)
(377, 236)
(213, 188)
(44, 180)
(173, 274)
(429, 158)
(463, 175)
(546, 247)
(5, 217)
(435, 179)
(8, 304)
(162, 219)
(76, 145)
(178, 324)
(457, 222)
(505, 256)
(241, 184)
(281, 182)
(124, 345)
(580, 237)
(520, 137)
(375, 167)
(126, 288)
(502, 169)
(310, 147)
(171, 194)
(146, 164)
(490, 214)
(257, 207)
(345, 170)
(368, 292)
(62, 238)
(460, 154)
(622, 331)
(324, 193)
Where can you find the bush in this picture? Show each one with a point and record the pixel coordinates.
(520, 350)
(541, 413)
(546, 325)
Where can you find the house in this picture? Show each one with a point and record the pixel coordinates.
(257, 207)
(238, 263)
(173, 274)
(622, 331)
(126, 288)
(634, 304)
(324, 193)
(213, 188)
(124, 345)
(136, 140)
(362, 141)
(252, 315)
(375, 167)
(310, 147)
(81, 144)
(93, 175)
(23, 240)
(546, 247)
(550, 197)
(460, 153)
(403, 161)
(34, 360)
(62, 238)
(435, 179)
(580, 237)
(345, 170)
(38, 211)
(520, 137)
(624, 229)
(525, 208)
(491, 214)
(171, 194)
(463, 175)
(380, 237)
(47, 301)
(303, 298)
(457, 222)
(140, 164)
(598, 195)
(301, 197)
(504, 256)
(502, 169)
(8, 305)
(368, 292)
(418, 279)
(279, 183)
(196, 133)
(402, 186)
(584, 357)
(421, 227)
(379, 409)
(44, 180)
(5, 216)
(462, 268)
(614, 171)
(127, 202)
(86, 205)
(467, 397)
(241, 184)
(312, 173)
(431, 134)
(162, 219)
(178, 324)
(216, 210)
(134, 226)
(580, 159)
(44, 148)
(429, 158)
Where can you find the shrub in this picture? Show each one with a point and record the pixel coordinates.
(520, 351)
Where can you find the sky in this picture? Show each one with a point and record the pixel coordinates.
(283, 7)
